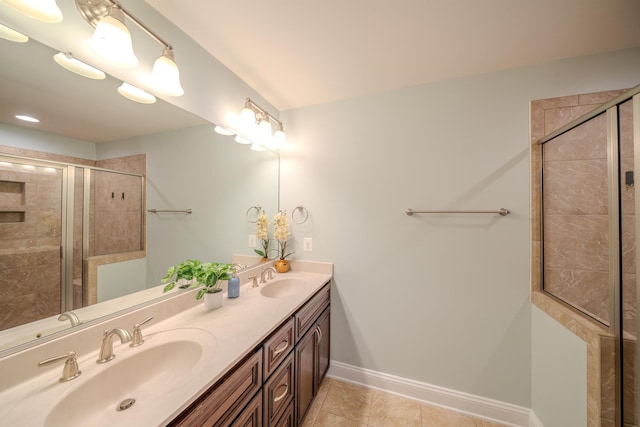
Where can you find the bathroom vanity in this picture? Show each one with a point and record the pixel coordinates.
(257, 361)
(276, 383)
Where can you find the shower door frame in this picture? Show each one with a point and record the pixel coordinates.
(611, 109)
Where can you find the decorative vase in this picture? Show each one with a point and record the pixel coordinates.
(282, 266)
(213, 300)
(264, 259)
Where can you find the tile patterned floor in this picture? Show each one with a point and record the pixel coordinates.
(341, 404)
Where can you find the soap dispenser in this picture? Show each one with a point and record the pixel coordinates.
(233, 287)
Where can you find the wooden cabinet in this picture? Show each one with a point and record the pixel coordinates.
(275, 385)
(222, 403)
(278, 391)
(312, 354)
(251, 416)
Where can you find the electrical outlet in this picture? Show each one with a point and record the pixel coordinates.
(307, 244)
(252, 240)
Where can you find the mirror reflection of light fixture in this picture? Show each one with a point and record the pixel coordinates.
(242, 140)
(257, 147)
(112, 40)
(223, 131)
(42, 10)
(68, 62)
(135, 94)
(12, 35)
(114, 43)
(165, 76)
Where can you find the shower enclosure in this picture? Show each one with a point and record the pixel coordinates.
(589, 236)
(53, 217)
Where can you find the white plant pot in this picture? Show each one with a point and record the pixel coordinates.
(213, 300)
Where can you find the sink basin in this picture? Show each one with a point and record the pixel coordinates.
(282, 288)
(138, 384)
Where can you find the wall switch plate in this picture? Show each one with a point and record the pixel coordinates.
(252, 240)
(307, 244)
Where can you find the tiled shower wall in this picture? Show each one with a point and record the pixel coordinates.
(575, 206)
(30, 250)
(30, 246)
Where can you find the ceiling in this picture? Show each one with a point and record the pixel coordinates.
(297, 52)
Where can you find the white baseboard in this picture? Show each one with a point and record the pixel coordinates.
(506, 413)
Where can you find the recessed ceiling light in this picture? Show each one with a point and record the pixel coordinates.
(68, 62)
(27, 118)
(12, 35)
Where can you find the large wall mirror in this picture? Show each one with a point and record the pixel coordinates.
(188, 166)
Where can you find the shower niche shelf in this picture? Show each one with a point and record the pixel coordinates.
(11, 201)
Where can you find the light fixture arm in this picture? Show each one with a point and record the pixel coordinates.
(264, 113)
(94, 10)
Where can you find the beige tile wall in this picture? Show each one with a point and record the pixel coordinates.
(575, 168)
(30, 250)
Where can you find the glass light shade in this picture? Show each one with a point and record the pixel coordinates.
(263, 133)
(112, 41)
(165, 76)
(68, 62)
(247, 121)
(257, 147)
(42, 10)
(12, 35)
(135, 94)
(242, 140)
(279, 139)
(222, 131)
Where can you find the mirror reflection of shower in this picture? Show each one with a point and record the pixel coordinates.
(53, 216)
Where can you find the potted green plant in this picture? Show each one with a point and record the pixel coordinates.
(205, 274)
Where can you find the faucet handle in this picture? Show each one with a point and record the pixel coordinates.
(137, 339)
(254, 281)
(70, 370)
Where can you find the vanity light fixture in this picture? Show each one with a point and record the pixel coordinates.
(42, 10)
(12, 35)
(114, 43)
(112, 40)
(68, 62)
(135, 94)
(255, 125)
(165, 76)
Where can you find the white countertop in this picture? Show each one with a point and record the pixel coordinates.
(238, 327)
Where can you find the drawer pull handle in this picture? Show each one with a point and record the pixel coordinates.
(286, 390)
(281, 348)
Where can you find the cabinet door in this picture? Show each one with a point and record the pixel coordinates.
(305, 369)
(324, 328)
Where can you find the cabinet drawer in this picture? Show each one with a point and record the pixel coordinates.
(307, 315)
(287, 418)
(227, 398)
(251, 416)
(277, 347)
(278, 391)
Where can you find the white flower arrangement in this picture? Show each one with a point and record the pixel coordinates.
(262, 234)
(281, 232)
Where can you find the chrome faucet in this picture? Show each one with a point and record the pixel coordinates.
(71, 317)
(106, 350)
(268, 272)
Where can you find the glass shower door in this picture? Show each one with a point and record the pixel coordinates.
(31, 230)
